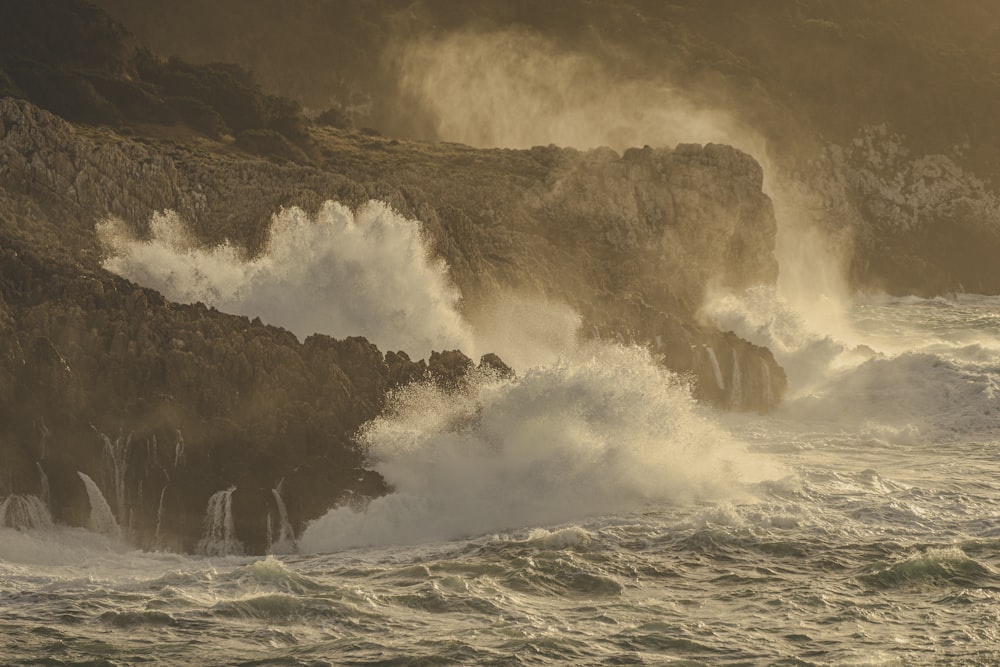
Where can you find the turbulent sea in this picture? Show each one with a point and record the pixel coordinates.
(590, 513)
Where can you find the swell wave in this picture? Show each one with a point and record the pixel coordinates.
(935, 567)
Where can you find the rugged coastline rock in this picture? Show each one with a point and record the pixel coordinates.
(914, 223)
(164, 405)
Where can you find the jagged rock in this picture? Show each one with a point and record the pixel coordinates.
(495, 365)
(631, 243)
(403, 371)
(910, 223)
(449, 368)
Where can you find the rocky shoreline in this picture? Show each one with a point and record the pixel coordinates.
(102, 375)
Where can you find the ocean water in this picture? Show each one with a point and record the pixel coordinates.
(590, 513)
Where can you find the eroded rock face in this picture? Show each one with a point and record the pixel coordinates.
(915, 223)
(164, 405)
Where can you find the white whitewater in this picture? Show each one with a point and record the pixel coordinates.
(219, 536)
(342, 273)
(285, 541)
(24, 512)
(102, 519)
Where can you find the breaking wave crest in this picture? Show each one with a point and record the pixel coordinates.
(341, 273)
(605, 429)
(909, 370)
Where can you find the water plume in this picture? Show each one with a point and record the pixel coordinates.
(517, 89)
(341, 273)
(604, 429)
(763, 316)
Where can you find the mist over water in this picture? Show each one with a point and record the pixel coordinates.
(526, 331)
(343, 274)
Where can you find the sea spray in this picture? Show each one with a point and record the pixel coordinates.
(340, 273)
(102, 520)
(219, 537)
(605, 429)
(884, 375)
(763, 317)
(524, 330)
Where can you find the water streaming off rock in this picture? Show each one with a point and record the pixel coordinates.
(102, 519)
(219, 536)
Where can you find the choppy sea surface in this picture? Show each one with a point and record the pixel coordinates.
(857, 525)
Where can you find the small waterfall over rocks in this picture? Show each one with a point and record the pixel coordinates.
(285, 542)
(716, 371)
(157, 536)
(179, 455)
(102, 519)
(43, 481)
(219, 537)
(736, 384)
(24, 512)
(767, 391)
(115, 456)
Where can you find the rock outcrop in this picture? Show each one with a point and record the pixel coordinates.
(163, 405)
(915, 223)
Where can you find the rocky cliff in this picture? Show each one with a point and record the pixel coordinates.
(163, 405)
(914, 222)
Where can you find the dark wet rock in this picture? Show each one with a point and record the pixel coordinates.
(449, 369)
(495, 365)
(630, 243)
